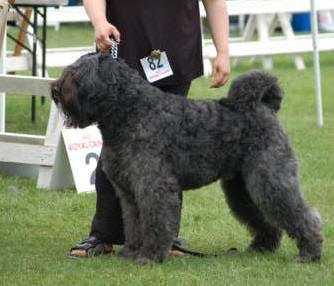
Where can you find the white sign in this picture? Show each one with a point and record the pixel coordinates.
(156, 68)
(83, 147)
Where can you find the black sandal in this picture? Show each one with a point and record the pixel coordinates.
(92, 246)
(89, 247)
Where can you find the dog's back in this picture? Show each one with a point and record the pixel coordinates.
(213, 138)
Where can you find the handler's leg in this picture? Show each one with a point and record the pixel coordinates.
(107, 225)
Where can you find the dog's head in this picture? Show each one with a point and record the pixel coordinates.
(84, 88)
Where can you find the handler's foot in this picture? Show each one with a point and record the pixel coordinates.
(89, 247)
(176, 253)
(92, 246)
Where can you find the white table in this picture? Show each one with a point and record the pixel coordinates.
(39, 8)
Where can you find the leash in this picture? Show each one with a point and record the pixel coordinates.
(186, 251)
(114, 49)
(230, 251)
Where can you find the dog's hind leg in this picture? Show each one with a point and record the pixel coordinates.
(272, 183)
(266, 237)
(159, 211)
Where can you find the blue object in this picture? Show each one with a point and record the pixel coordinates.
(72, 2)
(301, 22)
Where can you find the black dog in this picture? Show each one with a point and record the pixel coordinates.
(157, 145)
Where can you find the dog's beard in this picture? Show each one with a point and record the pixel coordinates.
(70, 122)
(74, 119)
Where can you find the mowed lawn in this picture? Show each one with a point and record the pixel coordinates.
(37, 227)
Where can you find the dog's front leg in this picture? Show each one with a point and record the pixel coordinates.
(132, 230)
(159, 214)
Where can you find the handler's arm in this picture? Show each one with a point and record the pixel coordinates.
(96, 11)
(219, 23)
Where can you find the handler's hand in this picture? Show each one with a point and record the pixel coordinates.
(103, 32)
(221, 70)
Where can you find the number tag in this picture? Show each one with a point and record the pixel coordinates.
(156, 68)
(83, 147)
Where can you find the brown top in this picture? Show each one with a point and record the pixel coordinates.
(168, 25)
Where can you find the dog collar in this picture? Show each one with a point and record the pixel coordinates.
(114, 49)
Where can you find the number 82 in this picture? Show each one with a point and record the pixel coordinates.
(153, 66)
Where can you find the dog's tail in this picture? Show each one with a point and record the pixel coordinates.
(255, 87)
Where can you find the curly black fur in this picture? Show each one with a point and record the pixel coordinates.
(157, 145)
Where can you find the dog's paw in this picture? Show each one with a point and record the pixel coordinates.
(127, 253)
(308, 258)
(264, 244)
(260, 248)
(142, 260)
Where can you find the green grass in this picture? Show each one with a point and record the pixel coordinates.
(37, 227)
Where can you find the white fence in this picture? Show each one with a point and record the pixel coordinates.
(42, 151)
(265, 45)
(272, 45)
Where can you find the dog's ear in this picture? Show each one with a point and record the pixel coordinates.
(69, 100)
(105, 69)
